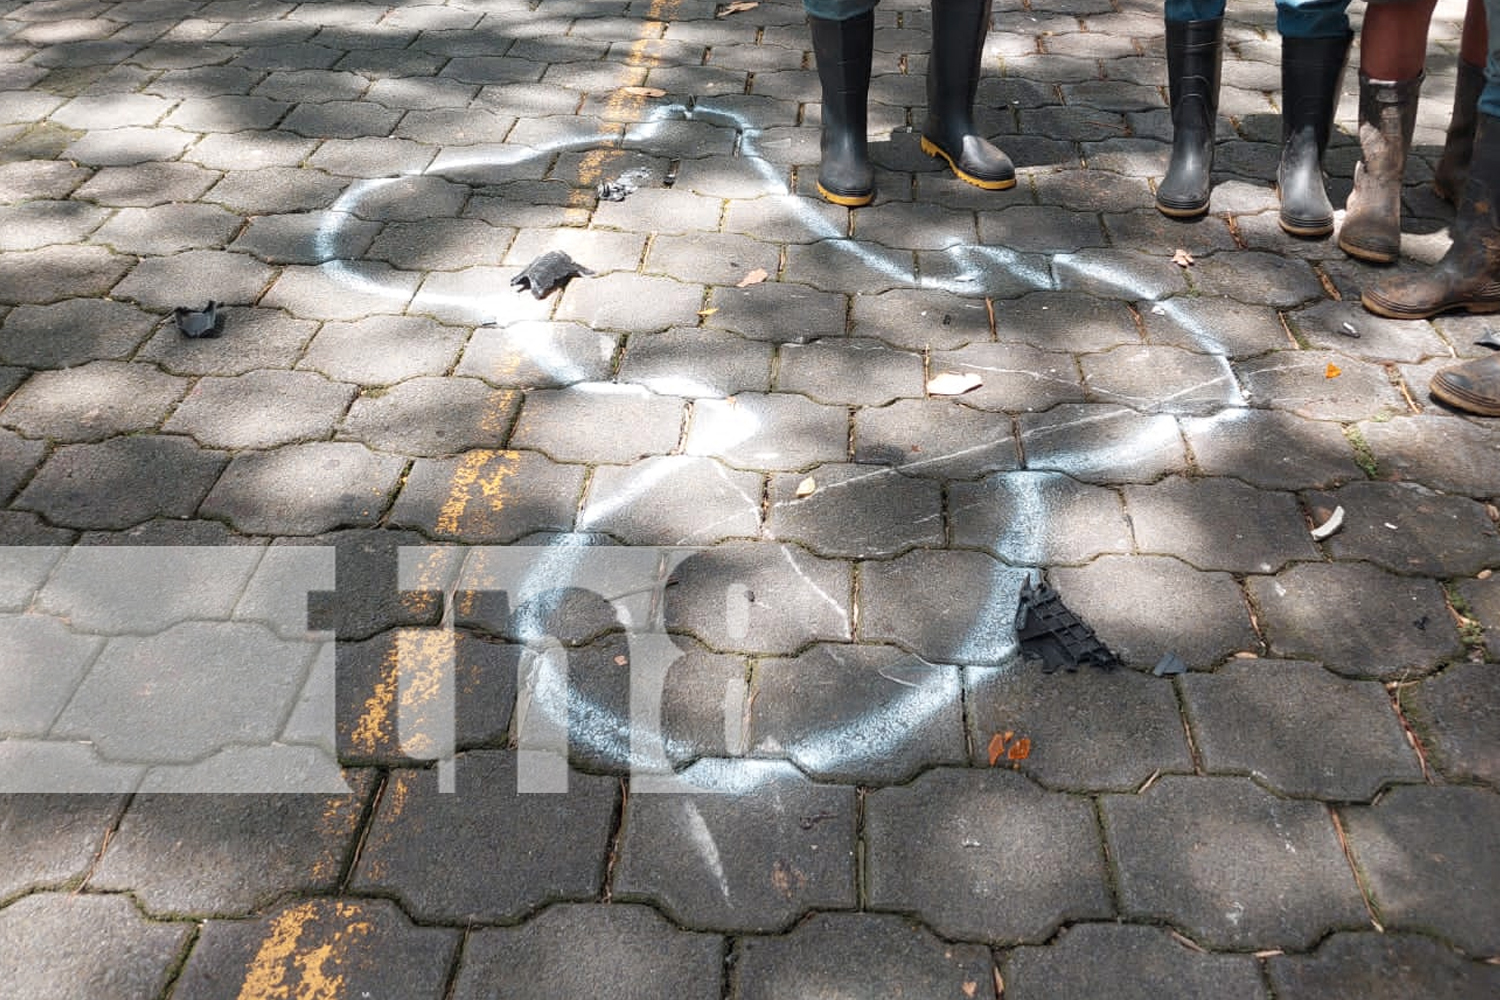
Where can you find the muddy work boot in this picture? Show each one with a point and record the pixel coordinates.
(1195, 53)
(844, 51)
(1453, 168)
(1473, 386)
(1372, 216)
(1312, 74)
(959, 28)
(1468, 276)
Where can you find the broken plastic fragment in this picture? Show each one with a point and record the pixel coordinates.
(1349, 330)
(615, 190)
(1334, 523)
(205, 322)
(807, 488)
(953, 383)
(1169, 665)
(1046, 629)
(551, 270)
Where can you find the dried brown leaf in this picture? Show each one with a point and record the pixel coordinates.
(737, 7)
(1182, 258)
(755, 277)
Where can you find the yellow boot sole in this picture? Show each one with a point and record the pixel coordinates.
(847, 200)
(932, 149)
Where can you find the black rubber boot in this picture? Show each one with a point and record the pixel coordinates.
(1372, 216)
(844, 51)
(1195, 52)
(1312, 74)
(1453, 168)
(1468, 276)
(958, 31)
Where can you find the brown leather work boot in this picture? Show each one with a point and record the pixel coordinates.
(1468, 276)
(1473, 386)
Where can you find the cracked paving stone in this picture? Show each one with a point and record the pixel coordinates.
(947, 607)
(673, 500)
(79, 947)
(304, 489)
(1324, 326)
(382, 350)
(1038, 518)
(52, 274)
(262, 338)
(1271, 450)
(539, 354)
(1127, 962)
(849, 371)
(715, 857)
(122, 482)
(622, 951)
(1356, 619)
(490, 851)
(856, 511)
(868, 715)
(760, 597)
(1458, 714)
(778, 311)
(1456, 456)
(92, 402)
(598, 423)
(1298, 382)
(431, 416)
(1407, 528)
(919, 320)
(1371, 966)
(1161, 379)
(1131, 720)
(934, 438)
(1299, 729)
(866, 954)
(72, 333)
(775, 431)
(489, 496)
(1423, 851)
(1103, 442)
(985, 855)
(1231, 865)
(353, 947)
(1219, 524)
(51, 840)
(260, 409)
(1143, 607)
(228, 855)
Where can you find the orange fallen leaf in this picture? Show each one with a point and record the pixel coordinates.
(755, 277)
(737, 7)
(1020, 749)
(644, 91)
(997, 747)
(970, 988)
(1332, 371)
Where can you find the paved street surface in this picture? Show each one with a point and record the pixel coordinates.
(419, 638)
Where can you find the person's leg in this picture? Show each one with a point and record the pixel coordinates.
(1392, 54)
(959, 28)
(1195, 49)
(1315, 38)
(843, 33)
(1473, 50)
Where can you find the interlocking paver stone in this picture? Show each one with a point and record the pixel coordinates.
(1256, 277)
(631, 302)
(273, 189)
(1143, 607)
(122, 482)
(55, 273)
(1216, 523)
(76, 947)
(1328, 324)
(261, 409)
(489, 496)
(1271, 449)
(1421, 850)
(539, 354)
(581, 949)
(855, 372)
(92, 402)
(1356, 619)
(1441, 453)
(1299, 382)
(51, 840)
(262, 338)
(19, 458)
(1101, 442)
(776, 431)
(35, 224)
(721, 860)
(1131, 720)
(1457, 712)
(1380, 967)
(1214, 325)
(918, 320)
(1231, 865)
(673, 500)
(778, 311)
(566, 424)
(866, 954)
(709, 258)
(147, 184)
(519, 851)
(431, 416)
(1161, 379)
(1299, 729)
(934, 438)
(382, 350)
(963, 611)
(230, 854)
(341, 291)
(1128, 962)
(304, 489)
(688, 361)
(1407, 528)
(856, 511)
(157, 283)
(360, 945)
(1038, 518)
(984, 855)
(866, 714)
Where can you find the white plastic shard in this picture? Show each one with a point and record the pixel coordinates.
(1334, 523)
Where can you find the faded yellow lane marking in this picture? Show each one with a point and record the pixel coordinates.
(285, 969)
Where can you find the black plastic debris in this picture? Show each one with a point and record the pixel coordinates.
(205, 322)
(1491, 338)
(615, 190)
(1047, 630)
(1169, 666)
(551, 270)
